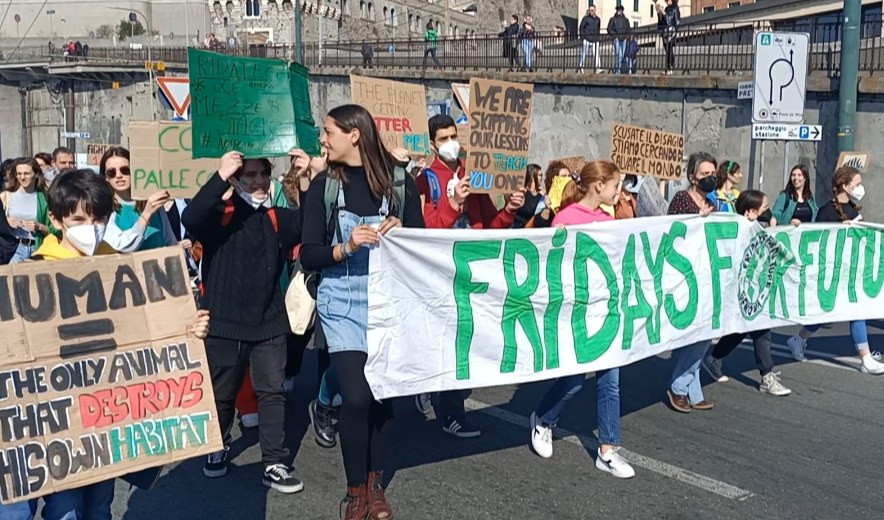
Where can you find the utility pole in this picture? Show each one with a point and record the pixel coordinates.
(847, 85)
(447, 29)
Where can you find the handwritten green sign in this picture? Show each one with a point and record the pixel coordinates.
(257, 106)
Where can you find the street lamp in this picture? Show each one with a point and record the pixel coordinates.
(149, 54)
(50, 12)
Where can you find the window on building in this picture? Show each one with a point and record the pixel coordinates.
(386, 16)
(345, 7)
(653, 11)
(635, 6)
(253, 8)
(734, 4)
(418, 24)
(394, 21)
(709, 9)
(363, 11)
(619, 3)
(371, 11)
(410, 22)
(635, 24)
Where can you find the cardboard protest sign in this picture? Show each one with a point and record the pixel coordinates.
(642, 151)
(399, 111)
(257, 106)
(161, 152)
(98, 378)
(462, 93)
(560, 302)
(500, 135)
(858, 160)
(94, 151)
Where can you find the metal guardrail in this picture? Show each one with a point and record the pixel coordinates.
(710, 48)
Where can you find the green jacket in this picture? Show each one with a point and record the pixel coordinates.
(432, 37)
(784, 208)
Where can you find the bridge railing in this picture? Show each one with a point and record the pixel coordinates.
(708, 48)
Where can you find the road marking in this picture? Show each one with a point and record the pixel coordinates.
(667, 470)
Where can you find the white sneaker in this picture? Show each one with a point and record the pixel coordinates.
(541, 437)
(249, 420)
(872, 366)
(797, 345)
(613, 463)
(770, 384)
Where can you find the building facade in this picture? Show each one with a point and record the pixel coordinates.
(710, 6)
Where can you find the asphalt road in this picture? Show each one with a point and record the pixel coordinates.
(811, 455)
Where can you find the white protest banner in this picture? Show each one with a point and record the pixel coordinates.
(98, 377)
(456, 309)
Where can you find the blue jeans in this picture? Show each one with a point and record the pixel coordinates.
(859, 332)
(328, 387)
(92, 502)
(629, 65)
(686, 374)
(22, 253)
(619, 52)
(528, 52)
(607, 398)
(591, 48)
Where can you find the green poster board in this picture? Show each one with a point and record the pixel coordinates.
(257, 106)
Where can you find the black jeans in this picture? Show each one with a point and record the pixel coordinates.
(363, 423)
(449, 404)
(670, 54)
(228, 360)
(432, 53)
(760, 342)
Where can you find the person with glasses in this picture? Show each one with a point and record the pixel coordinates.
(134, 225)
(26, 207)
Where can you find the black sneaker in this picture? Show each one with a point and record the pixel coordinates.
(281, 478)
(323, 428)
(216, 464)
(460, 428)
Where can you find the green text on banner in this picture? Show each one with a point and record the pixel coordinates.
(453, 309)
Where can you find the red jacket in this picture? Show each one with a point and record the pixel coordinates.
(482, 211)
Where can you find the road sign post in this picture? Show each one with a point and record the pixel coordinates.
(780, 77)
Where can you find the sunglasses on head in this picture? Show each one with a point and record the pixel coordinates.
(112, 172)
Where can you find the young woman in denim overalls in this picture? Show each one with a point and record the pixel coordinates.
(366, 208)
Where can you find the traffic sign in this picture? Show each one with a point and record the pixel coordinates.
(177, 93)
(745, 90)
(76, 135)
(780, 132)
(780, 77)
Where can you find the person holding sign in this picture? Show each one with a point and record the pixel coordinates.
(347, 210)
(134, 225)
(848, 189)
(598, 184)
(27, 208)
(245, 245)
(80, 205)
(686, 390)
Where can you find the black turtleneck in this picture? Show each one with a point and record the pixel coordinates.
(316, 249)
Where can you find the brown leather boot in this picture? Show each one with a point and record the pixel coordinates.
(378, 508)
(355, 504)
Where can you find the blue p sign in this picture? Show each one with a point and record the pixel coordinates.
(804, 132)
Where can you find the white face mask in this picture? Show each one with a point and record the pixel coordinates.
(86, 237)
(858, 193)
(450, 150)
(250, 199)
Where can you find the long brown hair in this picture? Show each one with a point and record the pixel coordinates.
(376, 160)
(290, 186)
(789, 190)
(118, 151)
(592, 172)
(39, 180)
(842, 177)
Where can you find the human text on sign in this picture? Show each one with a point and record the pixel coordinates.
(97, 376)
